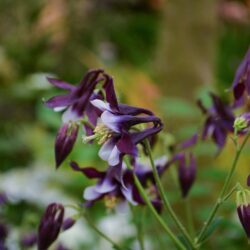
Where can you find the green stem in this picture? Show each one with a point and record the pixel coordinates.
(190, 221)
(224, 189)
(153, 211)
(104, 236)
(165, 199)
(138, 223)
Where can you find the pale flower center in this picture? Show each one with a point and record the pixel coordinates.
(101, 134)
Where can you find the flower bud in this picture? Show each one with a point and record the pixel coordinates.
(242, 122)
(243, 209)
(50, 225)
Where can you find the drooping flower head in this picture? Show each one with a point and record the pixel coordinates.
(243, 209)
(116, 129)
(116, 184)
(241, 82)
(219, 121)
(76, 105)
(50, 225)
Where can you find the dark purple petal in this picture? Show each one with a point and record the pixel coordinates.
(130, 110)
(58, 101)
(239, 91)
(50, 225)
(126, 146)
(110, 93)
(65, 141)
(219, 136)
(68, 223)
(3, 232)
(60, 84)
(89, 172)
(29, 240)
(248, 181)
(186, 173)
(244, 216)
(188, 143)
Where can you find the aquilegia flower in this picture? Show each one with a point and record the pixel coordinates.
(116, 130)
(186, 173)
(116, 184)
(50, 226)
(243, 209)
(241, 83)
(219, 121)
(76, 104)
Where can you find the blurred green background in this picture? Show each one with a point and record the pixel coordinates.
(163, 56)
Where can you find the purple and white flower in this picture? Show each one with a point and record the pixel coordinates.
(116, 184)
(76, 105)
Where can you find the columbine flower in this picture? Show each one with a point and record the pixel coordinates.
(115, 130)
(50, 225)
(117, 184)
(219, 121)
(186, 173)
(243, 209)
(241, 83)
(76, 104)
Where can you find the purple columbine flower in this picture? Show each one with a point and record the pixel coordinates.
(244, 216)
(76, 105)
(116, 131)
(241, 82)
(219, 121)
(116, 184)
(186, 172)
(50, 226)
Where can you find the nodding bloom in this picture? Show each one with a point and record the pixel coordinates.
(243, 209)
(116, 129)
(76, 104)
(50, 225)
(186, 173)
(116, 184)
(241, 82)
(219, 121)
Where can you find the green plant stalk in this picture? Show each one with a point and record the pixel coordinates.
(138, 223)
(153, 211)
(190, 221)
(165, 199)
(224, 189)
(104, 236)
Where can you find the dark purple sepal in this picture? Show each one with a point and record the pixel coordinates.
(60, 84)
(248, 181)
(68, 223)
(89, 172)
(50, 225)
(65, 141)
(244, 216)
(186, 173)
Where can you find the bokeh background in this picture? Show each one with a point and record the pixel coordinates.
(163, 55)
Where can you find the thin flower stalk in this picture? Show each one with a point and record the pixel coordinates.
(222, 195)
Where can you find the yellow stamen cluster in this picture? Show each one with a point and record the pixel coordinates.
(101, 134)
(110, 201)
